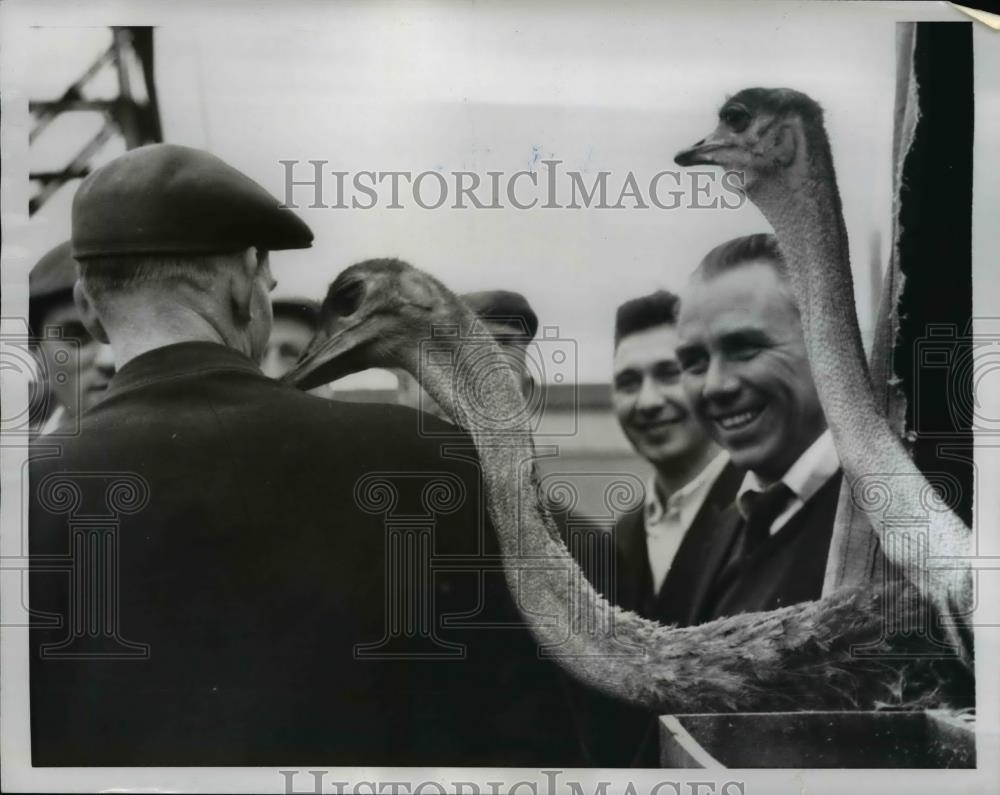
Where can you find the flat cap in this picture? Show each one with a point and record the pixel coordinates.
(54, 273)
(505, 308)
(169, 199)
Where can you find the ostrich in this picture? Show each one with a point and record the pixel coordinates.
(776, 138)
(375, 315)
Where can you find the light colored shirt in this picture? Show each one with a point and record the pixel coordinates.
(666, 525)
(53, 422)
(805, 477)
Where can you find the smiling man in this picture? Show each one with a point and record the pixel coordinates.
(294, 322)
(664, 550)
(747, 376)
(662, 546)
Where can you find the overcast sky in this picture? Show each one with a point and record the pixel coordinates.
(476, 87)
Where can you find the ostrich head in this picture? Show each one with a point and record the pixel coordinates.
(373, 314)
(763, 133)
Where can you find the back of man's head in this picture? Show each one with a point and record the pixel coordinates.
(173, 246)
(139, 302)
(646, 312)
(109, 278)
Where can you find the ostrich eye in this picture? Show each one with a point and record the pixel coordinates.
(346, 300)
(735, 118)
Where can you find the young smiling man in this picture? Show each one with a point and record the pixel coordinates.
(661, 547)
(663, 550)
(747, 376)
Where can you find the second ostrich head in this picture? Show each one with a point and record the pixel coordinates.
(765, 133)
(372, 313)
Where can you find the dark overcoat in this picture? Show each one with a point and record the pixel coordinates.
(226, 571)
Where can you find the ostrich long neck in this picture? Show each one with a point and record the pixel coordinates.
(805, 212)
(798, 657)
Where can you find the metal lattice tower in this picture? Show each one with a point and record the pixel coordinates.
(132, 114)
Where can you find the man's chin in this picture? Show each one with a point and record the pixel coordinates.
(751, 457)
(664, 454)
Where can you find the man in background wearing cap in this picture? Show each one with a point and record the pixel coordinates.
(664, 548)
(248, 562)
(513, 323)
(508, 316)
(294, 323)
(69, 385)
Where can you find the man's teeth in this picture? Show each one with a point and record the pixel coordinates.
(738, 420)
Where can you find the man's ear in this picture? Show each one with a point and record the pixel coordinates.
(241, 283)
(88, 313)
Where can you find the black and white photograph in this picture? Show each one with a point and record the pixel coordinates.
(479, 397)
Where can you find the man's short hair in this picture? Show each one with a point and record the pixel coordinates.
(645, 312)
(760, 247)
(102, 276)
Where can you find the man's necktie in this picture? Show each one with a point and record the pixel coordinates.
(760, 509)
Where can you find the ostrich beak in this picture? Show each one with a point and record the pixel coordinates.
(700, 153)
(332, 354)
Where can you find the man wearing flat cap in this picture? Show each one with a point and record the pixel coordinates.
(74, 368)
(244, 619)
(513, 323)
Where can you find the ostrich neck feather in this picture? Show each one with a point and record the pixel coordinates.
(933, 547)
(798, 657)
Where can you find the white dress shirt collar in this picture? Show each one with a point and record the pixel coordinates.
(805, 477)
(667, 525)
(694, 491)
(52, 424)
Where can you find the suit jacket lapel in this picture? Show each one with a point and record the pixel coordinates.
(632, 580)
(702, 552)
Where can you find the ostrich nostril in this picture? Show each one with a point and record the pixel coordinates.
(699, 143)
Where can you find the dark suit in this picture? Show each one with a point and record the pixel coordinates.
(682, 594)
(256, 574)
(616, 735)
(787, 568)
